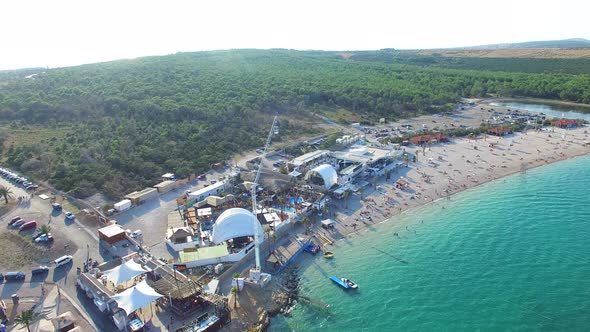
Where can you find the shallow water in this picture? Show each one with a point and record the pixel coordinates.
(512, 254)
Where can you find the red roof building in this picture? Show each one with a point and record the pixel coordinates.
(436, 137)
(565, 123)
(499, 131)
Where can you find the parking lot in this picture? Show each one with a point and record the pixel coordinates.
(151, 217)
(17, 191)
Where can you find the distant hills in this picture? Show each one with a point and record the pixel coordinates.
(564, 43)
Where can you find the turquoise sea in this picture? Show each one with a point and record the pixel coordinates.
(509, 255)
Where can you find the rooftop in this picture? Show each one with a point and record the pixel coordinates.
(138, 194)
(164, 184)
(203, 253)
(309, 157)
(111, 230)
(205, 190)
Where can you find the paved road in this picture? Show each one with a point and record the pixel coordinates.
(87, 245)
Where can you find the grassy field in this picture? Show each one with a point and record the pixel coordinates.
(17, 252)
(27, 135)
(535, 53)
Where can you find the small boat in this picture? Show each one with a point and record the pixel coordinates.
(328, 254)
(344, 283)
(312, 248)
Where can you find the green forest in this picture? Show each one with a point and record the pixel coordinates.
(115, 127)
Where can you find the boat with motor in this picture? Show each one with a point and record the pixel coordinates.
(328, 254)
(344, 283)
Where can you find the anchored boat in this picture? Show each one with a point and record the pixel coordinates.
(328, 254)
(344, 283)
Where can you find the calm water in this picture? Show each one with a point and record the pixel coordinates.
(568, 112)
(510, 255)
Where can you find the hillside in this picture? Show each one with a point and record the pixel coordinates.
(522, 53)
(115, 127)
(564, 43)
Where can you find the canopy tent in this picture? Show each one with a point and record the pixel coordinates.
(124, 272)
(235, 222)
(136, 297)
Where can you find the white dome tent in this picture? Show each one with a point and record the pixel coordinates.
(233, 223)
(327, 173)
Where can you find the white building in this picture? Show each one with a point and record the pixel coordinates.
(214, 189)
(233, 234)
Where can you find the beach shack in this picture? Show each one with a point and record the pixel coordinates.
(402, 184)
(566, 123)
(328, 223)
(430, 138)
(499, 131)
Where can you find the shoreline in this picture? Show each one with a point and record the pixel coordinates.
(425, 190)
(441, 170)
(539, 101)
(425, 204)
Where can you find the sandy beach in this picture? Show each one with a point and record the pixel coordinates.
(440, 171)
(447, 168)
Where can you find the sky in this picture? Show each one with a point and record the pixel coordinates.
(58, 33)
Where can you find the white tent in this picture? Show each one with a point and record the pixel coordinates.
(235, 222)
(124, 272)
(328, 174)
(136, 297)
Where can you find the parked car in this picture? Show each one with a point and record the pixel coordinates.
(1, 277)
(36, 234)
(70, 216)
(14, 219)
(56, 206)
(136, 233)
(28, 225)
(44, 238)
(19, 223)
(63, 260)
(40, 270)
(202, 177)
(14, 276)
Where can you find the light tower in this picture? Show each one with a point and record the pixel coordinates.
(273, 130)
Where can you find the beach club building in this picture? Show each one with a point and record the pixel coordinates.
(332, 170)
(231, 240)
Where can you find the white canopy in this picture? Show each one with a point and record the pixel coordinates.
(124, 272)
(136, 297)
(328, 174)
(236, 222)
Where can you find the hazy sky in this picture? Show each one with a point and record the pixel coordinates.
(59, 33)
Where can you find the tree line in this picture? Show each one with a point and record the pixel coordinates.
(130, 121)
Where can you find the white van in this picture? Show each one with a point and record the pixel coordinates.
(63, 260)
